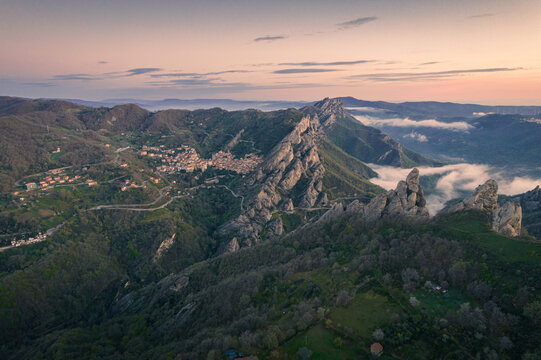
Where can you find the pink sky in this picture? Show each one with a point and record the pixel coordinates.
(464, 51)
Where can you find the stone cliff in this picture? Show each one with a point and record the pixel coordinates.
(506, 219)
(289, 177)
(407, 200)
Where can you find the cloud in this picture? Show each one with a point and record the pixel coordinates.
(270, 38)
(85, 77)
(302, 71)
(430, 63)
(456, 180)
(334, 63)
(416, 136)
(480, 16)
(39, 84)
(431, 75)
(103, 62)
(108, 75)
(399, 122)
(356, 22)
(141, 71)
(198, 75)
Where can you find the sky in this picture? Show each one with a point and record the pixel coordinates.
(475, 51)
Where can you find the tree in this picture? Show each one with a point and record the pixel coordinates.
(338, 342)
(378, 334)
(533, 312)
(304, 353)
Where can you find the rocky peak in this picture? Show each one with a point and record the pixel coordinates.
(407, 200)
(506, 219)
(328, 110)
(485, 197)
(290, 176)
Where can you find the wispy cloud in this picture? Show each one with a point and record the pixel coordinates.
(270, 38)
(356, 22)
(302, 71)
(85, 77)
(480, 16)
(38, 84)
(107, 75)
(141, 71)
(332, 63)
(430, 63)
(217, 85)
(196, 75)
(103, 62)
(432, 75)
(408, 123)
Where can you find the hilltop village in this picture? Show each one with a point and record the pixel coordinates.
(186, 158)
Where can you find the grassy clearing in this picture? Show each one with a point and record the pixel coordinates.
(473, 226)
(320, 341)
(367, 312)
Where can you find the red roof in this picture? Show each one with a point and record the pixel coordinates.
(376, 348)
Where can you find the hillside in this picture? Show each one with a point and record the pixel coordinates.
(418, 288)
(184, 234)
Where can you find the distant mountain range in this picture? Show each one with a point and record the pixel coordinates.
(422, 108)
(194, 104)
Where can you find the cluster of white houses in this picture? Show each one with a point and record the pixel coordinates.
(187, 159)
(38, 238)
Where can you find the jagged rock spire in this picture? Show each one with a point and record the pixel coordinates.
(506, 220)
(407, 200)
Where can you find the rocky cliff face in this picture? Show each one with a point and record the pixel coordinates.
(506, 220)
(485, 197)
(289, 177)
(407, 200)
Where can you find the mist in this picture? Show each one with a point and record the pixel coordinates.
(399, 122)
(455, 181)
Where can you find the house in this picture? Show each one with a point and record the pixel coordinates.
(124, 165)
(376, 349)
(91, 182)
(31, 186)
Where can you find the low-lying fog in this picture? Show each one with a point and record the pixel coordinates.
(455, 180)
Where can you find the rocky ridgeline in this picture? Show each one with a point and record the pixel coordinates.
(290, 176)
(506, 219)
(531, 200)
(407, 200)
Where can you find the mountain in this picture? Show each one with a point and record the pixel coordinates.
(505, 137)
(194, 104)
(126, 233)
(439, 109)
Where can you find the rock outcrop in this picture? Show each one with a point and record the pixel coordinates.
(506, 219)
(485, 197)
(164, 246)
(290, 176)
(407, 200)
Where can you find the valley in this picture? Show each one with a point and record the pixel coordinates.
(198, 234)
